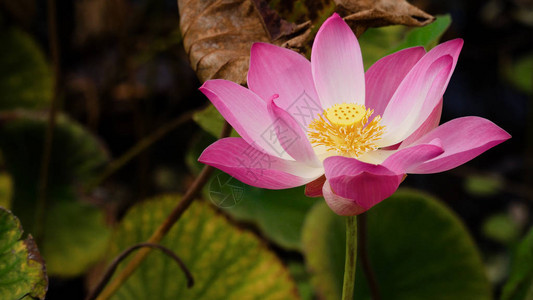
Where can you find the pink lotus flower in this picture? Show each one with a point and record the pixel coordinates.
(300, 120)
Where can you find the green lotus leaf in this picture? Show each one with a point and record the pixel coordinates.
(25, 76)
(75, 234)
(225, 261)
(22, 271)
(279, 214)
(417, 247)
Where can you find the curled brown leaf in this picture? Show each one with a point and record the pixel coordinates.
(361, 14)
(218, 35)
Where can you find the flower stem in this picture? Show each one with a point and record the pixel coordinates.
(350, 259)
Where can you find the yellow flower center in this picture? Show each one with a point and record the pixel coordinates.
(345, 129)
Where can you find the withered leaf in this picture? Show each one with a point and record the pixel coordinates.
(361, 14)
(217, 35)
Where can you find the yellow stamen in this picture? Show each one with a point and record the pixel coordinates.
(344, 128)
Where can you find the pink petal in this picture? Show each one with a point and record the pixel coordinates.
(406, 159)
(431, 123)
(384, 77)
(462, 139)
(292, 137)
(403, 113)
(276, 70)
(365, 184)
(253, 167)
(337, 64)
(340, 205)
(246, 112)
(420, 92)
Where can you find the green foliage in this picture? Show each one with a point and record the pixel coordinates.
(520, 73)
(501, 228)
(22, 271)
(6, 190)
(427, 36)
(25, 77)
(378, 42)
(226, 262)
(520, 283)
(480, 185)
(76, 237)
(301, 277)
(417, 247)
(279, 214)
(201, 141)
(211, 121)
(75, 232)
(76, 156)
(323, 242)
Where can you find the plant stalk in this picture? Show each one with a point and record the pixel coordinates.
(142, 145)
(42, 194)
(111, 269)
(350, 259)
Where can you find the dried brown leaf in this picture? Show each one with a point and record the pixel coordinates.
(217, 35)
(361, 14)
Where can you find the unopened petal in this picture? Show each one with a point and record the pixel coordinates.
(364, 183)
(340, 205)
